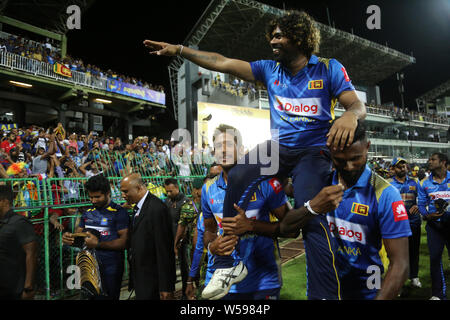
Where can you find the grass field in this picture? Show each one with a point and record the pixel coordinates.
(294, 276)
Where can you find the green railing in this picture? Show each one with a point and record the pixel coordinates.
(66, 197)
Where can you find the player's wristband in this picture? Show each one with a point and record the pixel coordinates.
(308, 206)
(181, 50)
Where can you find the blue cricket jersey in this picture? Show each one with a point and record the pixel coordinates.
(302, 106)
(108, 221)
(429, 191)
(408, 191)
(260, 254)
(370, 211)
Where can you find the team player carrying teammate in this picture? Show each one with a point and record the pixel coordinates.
(369, 213)
(303, 91)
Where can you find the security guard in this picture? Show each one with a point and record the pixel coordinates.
(111, 221)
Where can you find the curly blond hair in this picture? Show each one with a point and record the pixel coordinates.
(300, 28)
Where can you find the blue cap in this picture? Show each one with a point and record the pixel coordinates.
(398, 160)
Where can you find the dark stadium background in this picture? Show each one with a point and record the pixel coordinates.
(111, 36)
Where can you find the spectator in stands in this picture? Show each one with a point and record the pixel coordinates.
(40, 161)
(41, 140)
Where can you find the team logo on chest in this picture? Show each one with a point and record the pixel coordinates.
(360, 209)
(315, 85)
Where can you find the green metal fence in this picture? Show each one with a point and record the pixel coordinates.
(66, 198)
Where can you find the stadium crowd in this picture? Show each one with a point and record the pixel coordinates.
(46, 52)
(38, 148)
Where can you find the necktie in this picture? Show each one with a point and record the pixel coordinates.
(135, 210)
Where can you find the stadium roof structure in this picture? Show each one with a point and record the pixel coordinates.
(235, 28)
(47, 14)
(440, 91)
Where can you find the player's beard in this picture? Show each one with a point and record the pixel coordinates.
(100, 205)
(401, 174)
(351, 177)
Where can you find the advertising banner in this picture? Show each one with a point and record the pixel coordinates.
(130, 90)
(8, 127)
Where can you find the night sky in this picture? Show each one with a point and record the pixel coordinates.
(111, 36)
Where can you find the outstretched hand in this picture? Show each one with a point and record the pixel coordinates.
(162, 48)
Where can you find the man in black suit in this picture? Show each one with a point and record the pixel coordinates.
(151, 254)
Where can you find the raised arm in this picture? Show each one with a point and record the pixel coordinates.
(208, 60)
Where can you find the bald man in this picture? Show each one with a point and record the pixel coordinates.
(151, 255)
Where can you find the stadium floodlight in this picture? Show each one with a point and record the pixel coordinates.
(20, 84)
(103, 101)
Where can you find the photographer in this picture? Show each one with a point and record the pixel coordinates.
(434, 193)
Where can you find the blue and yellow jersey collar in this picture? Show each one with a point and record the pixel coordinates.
(313, 59)
(221, 182)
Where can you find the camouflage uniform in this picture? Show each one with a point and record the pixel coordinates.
(188, 217)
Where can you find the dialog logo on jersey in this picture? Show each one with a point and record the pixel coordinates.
(346, 230)
(399, 210)
(299, 106)
(440, 195)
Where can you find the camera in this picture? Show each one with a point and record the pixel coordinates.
(441, 205)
